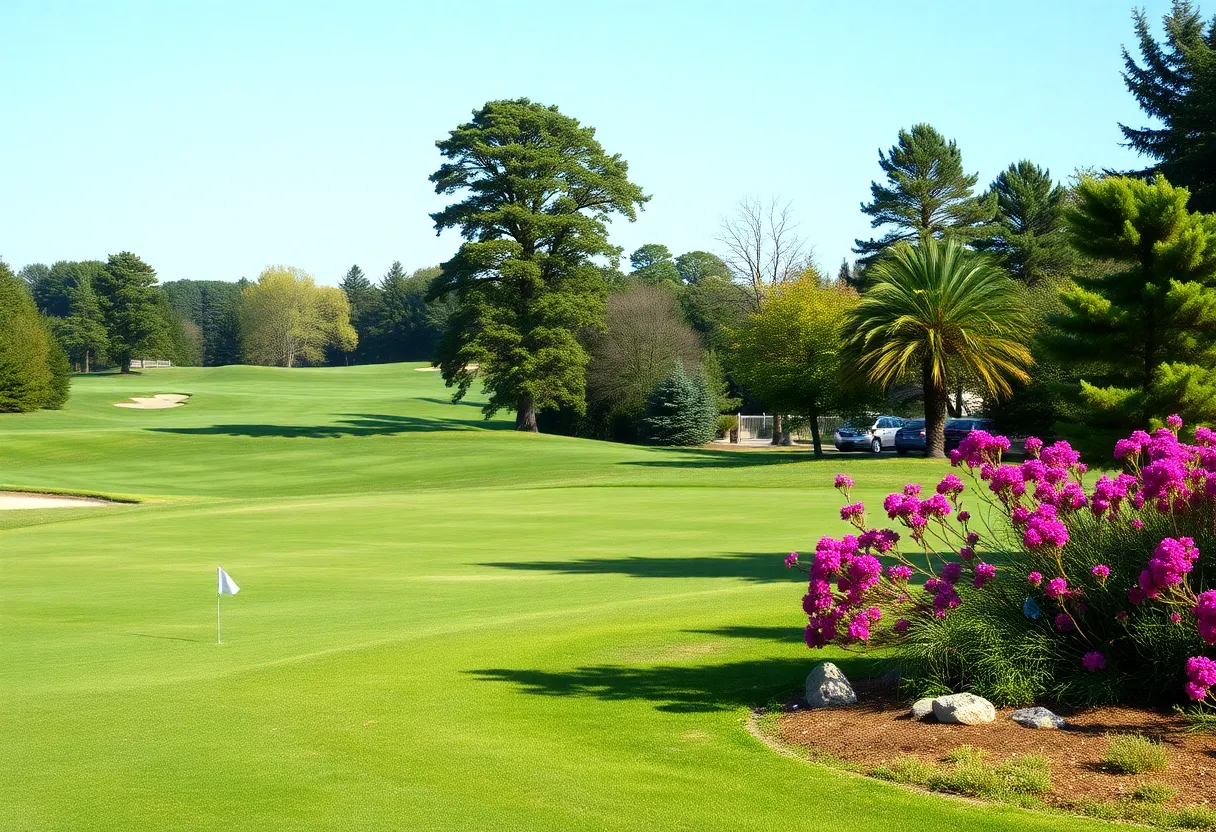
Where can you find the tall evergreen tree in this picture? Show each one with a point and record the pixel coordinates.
(1176, 85)
(1030, 237)
(1145, 333)
(126, 289)
(364, 300)
(540, 192)
(33, 368)
(927, 195)
(83, 333)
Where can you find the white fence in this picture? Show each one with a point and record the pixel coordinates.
(150, 364)
(761, 427)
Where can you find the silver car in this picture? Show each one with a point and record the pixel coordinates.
(880, 436)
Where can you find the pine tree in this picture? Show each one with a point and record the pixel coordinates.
(1145, 334)
(539, 193)
(83, 333)
(33, 368)
(364, 300)
(680, 410)
(1177, 87)
(126, 288)
(927, 195)
(1030, 237)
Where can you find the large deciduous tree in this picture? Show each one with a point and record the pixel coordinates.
(695, 266)
(126, 290)
(1175, 83)
(539, 192)
(936, 309)
(653, 266)
(927, 195)
(763, 247)
(1143, 334)
(789, 353)
(286, 319)
(1029, 237)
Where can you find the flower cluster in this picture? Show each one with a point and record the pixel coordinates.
(1046, 502)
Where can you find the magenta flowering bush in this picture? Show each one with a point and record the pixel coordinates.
(1024, 582)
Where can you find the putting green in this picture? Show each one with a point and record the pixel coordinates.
(442, 625)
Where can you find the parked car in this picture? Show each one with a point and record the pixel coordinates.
(957, 430)
(877, 438)
(911, 437)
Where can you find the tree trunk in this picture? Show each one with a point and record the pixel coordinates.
(525, 414)
(124, 365)
(935, 416)
(815, 441)
(776, 429)
(86, 361)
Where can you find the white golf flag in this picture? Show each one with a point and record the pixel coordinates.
(227, 586)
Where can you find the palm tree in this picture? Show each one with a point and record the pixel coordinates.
(935, 307)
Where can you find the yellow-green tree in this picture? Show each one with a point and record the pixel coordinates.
(287, 319)
(788, 353)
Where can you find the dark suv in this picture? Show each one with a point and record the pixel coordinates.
(957, 430)
(911, 437)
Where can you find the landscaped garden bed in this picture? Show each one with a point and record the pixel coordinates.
(1071, 769)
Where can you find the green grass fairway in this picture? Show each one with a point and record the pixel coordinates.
(443, 625)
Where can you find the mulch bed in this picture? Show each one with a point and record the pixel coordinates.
(880, 729)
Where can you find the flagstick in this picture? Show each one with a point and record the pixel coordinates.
(218, 596)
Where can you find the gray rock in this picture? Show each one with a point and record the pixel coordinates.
(827, 687)
(963, 709)
(1037, 718)
(892, 676)
(921, 708)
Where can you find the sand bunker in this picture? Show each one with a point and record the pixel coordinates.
(21, 499)
(436, 369)
(158, 402)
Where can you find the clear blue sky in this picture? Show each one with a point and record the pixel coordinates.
(214, 138)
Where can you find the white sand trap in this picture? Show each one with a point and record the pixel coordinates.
(10, 500)
(158, 402)
(436, 369)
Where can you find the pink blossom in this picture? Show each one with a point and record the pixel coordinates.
(1034, 578)
(843, 481)
(1033, 445)
(899, 572)
(1057, 588)
(1093, 660)
(984, 572)
(1064, 623)
(791, 559)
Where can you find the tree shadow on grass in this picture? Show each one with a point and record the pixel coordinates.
(748, 566)
(355, 424)
(784, 634)
(710, 458)
(679, 689)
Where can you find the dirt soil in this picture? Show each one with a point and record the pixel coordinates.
(880, 729)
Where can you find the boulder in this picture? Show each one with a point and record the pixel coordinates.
(827, 687)
(963, 709)
(921, 708)
(1037, 718)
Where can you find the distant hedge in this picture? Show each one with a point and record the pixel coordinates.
(34, 371)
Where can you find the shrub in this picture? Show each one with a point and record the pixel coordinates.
(680, 410)
(1016, 779)
(1087, 593)
(1154, 792)
(908, 770)
(1133, 754)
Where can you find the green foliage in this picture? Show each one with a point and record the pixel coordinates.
(1133, 754)
(909, 770)
(935, 310)
(1175, 84)
(653, 266)
(33, 367)
(1030, 237)
(927, 195)
(789, 354)
(680, 410)
(695, 266)
(130, 308)
(715, 306)
(401, 324)
(540, 191)
(1145, 332)
(83, 332)
(1014, 780)
(213, 306)
(1152, 791)
(286, 319)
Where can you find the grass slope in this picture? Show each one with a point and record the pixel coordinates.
(443, 624)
